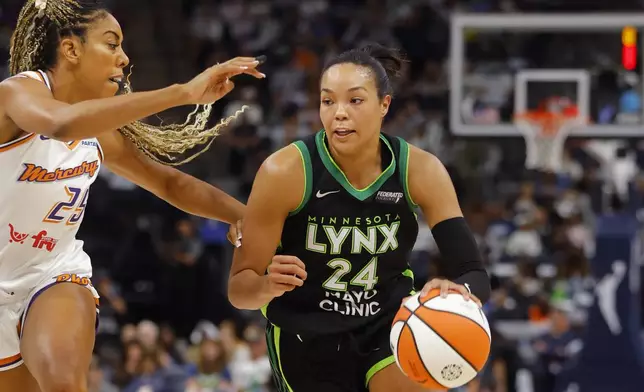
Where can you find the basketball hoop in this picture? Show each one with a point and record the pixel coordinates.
(545, 130)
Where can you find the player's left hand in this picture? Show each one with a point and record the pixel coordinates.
(445, 286)
(235, 234)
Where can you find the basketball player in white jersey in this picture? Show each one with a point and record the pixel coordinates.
(60, 121)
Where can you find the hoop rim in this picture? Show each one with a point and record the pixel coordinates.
(542, 117)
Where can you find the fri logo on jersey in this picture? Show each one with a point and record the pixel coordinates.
(41, 240)
(35, 173)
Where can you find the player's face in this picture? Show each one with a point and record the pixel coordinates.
(102, 58)
(350, 109)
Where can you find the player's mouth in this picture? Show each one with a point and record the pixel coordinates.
(343, 132)
(118, 79)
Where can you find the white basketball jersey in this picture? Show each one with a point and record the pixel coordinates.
(44, 188)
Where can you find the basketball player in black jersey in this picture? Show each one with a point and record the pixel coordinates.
(339, 208)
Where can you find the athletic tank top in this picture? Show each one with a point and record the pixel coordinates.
(44, 189)
(355, 243)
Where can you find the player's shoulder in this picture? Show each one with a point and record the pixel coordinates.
(279, 183)
(283, 163)
(425, 168)
(420, 159)
(26, 82)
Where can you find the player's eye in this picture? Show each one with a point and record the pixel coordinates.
(357, 101)
(326, 101)
(113, 46)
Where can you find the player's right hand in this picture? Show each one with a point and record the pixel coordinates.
(214, 83)
(285, 273)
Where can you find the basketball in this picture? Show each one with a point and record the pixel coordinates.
(440, 343)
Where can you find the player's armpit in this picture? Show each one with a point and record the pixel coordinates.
(277, 190)
(183, 191)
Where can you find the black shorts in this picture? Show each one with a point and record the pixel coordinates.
(339, 362)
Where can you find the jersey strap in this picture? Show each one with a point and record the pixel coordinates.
(403, 163)
(36, 75)
(308, 175)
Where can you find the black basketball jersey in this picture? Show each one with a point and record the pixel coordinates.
(355, 243)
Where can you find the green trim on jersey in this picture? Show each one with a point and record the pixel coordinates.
(378, 367)
(336, 172)
(308, 185)
(273, 342)
(308, 175)
(404, 171)
(391, 359)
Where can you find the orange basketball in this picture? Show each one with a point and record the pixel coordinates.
(441, 343)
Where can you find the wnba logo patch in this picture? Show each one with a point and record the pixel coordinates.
(389, 197)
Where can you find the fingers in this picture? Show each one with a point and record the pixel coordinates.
(280, 259)
(238, 66)
(465, 292)
(285, 273)
(445, 286)
(286, 279)
(238, 227)
(255, 73)
(476, 300)
(234, 234)
(429, 286)
(227, 87)
(257, 59)
(228, 70)
(288, 269)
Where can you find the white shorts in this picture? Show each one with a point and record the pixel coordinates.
(71, 267)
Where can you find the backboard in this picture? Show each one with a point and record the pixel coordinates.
(504, 64)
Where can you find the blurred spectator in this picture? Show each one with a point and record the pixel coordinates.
(253, 374)
(211, 372)
(525, 241)
(97, 381)
(555, 348)
(154, 373)
(235, 349)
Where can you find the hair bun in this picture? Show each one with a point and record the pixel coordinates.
(391, 59)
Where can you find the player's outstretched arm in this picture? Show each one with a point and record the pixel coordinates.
(439, 203)
(277, 190)
(177, 188)
(33, 108)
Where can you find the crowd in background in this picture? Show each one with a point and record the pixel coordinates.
(166, 325)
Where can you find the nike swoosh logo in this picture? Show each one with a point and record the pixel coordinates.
(320, 195)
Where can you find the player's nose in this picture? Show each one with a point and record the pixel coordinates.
(341, 113)
(123, 60)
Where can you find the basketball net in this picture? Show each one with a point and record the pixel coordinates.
(545, 130)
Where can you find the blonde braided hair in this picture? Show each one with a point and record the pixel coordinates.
(34, 45)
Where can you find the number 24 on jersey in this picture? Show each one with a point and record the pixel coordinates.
(367, 277)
